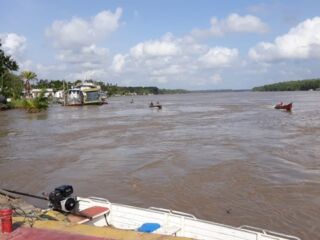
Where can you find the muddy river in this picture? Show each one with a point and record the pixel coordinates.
(225, 157)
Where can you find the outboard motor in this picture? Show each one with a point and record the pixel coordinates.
(61, 199)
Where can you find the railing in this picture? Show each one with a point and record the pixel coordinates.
(268, 232)
(98, 199)
(182, 214)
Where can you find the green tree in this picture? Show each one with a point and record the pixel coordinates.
(28, 76)
(12, 86)
(78, 82)
(7, 64)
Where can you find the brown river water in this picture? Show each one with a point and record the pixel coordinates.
(226, 157)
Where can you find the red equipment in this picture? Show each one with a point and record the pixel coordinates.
(6, 220)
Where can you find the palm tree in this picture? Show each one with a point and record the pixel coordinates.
(27, 76)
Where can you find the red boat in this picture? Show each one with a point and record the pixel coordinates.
(287, 107)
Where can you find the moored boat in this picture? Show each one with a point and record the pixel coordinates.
(73, 97)
(92, 96)
(91, 93)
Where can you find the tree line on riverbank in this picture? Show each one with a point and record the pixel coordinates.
(299, 85)
(111, 89)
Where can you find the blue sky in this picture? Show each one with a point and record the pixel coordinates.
(170, 44)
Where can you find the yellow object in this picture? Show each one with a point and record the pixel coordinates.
(54, 215)
(61, 224)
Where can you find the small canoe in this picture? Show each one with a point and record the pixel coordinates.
(287, 107)
(155, 106)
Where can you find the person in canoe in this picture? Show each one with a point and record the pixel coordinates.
(287, 107)
(157, 105)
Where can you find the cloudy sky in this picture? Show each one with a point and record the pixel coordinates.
(194, 44)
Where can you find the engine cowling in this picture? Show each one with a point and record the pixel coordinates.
(61, 198)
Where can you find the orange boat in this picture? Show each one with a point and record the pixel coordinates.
(287, 107)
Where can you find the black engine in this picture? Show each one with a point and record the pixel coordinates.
(61, 198)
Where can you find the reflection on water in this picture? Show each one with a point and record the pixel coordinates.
(226, 157)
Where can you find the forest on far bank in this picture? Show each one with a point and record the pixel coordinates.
(299, 85)
(111, 89)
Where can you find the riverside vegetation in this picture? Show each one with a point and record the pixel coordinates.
(18, 87)
(300, 85)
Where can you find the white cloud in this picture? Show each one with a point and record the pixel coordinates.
(215, 78)
(47, 69)
(169, 70)
(26, 65)
(106, 22)
(170, 61)
(155, 49)
(88, 74)
(264, 51)
(163, 59)
(301, 42)
(173, 62)
(76, 43)
(209, 81)
(79, 32)
(15, 45)
(259, 8)
(219, 57)
(247, 23)
(160, 79)
(12, 43)
(118, 63)
(90, 53)
(233, 23)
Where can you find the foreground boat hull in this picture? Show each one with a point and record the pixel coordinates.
(172, 223)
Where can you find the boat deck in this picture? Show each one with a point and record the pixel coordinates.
(54, 230)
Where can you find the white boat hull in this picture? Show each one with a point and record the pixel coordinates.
(172, 223)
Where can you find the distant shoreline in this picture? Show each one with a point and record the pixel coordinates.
(298, 85)
(220, 90)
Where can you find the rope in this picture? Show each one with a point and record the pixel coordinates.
(29, 218)
(26, 194)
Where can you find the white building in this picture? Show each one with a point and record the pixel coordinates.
(36, 92)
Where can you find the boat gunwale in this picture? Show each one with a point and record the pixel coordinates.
(273, 235)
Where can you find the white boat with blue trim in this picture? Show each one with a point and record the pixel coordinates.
(102, 213)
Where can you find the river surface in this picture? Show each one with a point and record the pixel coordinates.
(225, 157)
